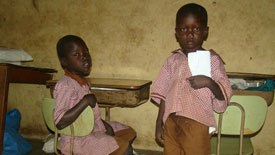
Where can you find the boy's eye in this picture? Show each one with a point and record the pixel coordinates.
(186, 29)
(75, 54)
(86, 51)
(196, 29)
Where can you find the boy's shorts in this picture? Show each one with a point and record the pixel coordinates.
(184, 136)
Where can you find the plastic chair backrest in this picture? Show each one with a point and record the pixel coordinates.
(255, 109)
(82, 126)
(245, 115)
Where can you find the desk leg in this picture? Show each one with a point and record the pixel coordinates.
(4, 88)
(107, 113)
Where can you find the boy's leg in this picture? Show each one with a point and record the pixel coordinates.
(195, 137)
(124, 139)
(122, 147)
(171, 145)
(128, 134)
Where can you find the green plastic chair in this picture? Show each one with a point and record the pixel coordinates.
(243, 118)
(82, 126)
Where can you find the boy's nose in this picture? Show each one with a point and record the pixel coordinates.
(190, 34)
(84, 57)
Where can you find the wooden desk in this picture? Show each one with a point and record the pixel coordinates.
(250, 76)
(18, 74)
(117, 92)
(267, 95)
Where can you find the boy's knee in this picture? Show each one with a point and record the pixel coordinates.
(132, 133)
(128, 134)
(122, 146)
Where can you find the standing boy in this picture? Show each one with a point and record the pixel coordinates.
(187, 102)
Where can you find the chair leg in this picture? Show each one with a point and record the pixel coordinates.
(242, 131)
(219, 134)
(55, 142)
(71, 139)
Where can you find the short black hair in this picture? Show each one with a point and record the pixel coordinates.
(63, 43)
(192, 8)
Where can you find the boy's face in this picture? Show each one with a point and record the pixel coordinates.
(78, 59)
(190, 33)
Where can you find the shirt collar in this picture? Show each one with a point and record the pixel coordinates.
(80, 80)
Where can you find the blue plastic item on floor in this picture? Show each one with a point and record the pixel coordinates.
(14, 143)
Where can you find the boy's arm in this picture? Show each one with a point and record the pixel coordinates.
(159, 123)
(216, 90)
(72, 114)
(201, 81)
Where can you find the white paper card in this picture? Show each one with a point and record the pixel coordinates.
(199, 63)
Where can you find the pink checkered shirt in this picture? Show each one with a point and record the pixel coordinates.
(182, 99)
(67, 94)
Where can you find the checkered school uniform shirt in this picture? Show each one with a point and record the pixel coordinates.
(67, 94)
(180, 98)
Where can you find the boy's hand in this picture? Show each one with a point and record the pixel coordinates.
(109, 129)
(200, 81)
(90, 99)
(159, 135)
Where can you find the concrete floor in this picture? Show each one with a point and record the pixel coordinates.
(38, 145)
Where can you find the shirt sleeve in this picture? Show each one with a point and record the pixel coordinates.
(63, 95)
(161, 84)
(220, 76)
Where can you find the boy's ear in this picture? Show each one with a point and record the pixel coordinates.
(205, 33)
(63, 62)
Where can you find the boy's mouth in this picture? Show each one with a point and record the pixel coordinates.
(86, 64)
(190, 42)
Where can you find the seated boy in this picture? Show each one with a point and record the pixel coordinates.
(72, 95)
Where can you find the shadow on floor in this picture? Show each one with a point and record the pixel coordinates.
(37, 146)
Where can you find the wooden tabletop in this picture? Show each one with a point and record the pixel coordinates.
(250, 76)
(25, 74)
(129, 84)
(45, 70)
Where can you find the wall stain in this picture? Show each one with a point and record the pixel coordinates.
(35, 5)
